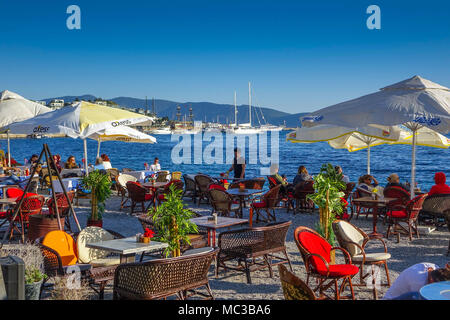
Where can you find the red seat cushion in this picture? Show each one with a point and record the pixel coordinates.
(162, 197)
(148, 196)
(3, 215)
(14, 192)
(217, 187)
(261, 204)
(397, 214)
(339, 270)
(315, 244)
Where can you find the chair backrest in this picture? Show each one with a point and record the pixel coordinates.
(176, 175)
(274, 234)
(125, 170)
(436, 204)
(398, 193)
(32, 204)
(309, 241)
(349, 189)
(124, 178)
(293, 287)
(360, 192)
(14, 192)
(220, 200)
(113, 173)
(234, 185)
(414, 206)
(303, 188)
(257, 183)
(159, 278)
(347, 234)
(162, 176)
(189, 183)
(272, 182)
(203, 181)
(63, 244)
(177, 183)
(271, 197)
(135, 191)
(62, 202)
(216, 186)
(90, 235)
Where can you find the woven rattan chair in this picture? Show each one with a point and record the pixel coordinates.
(248, 245)
(257, 183)
(316, 254)
(176, 175)
(161, 194)
(63, 205)
(190, 188)
(408, 214)
(139, 194)
(223, 203)
(162, 278)
(434, 207)
(268, 202)
(114, 174)
(203, 181)
(285, 197)
(32, 204)
(301, 190)
(354, 240)
(161, 176)
(122, 180)
(293, 287)
(357, 209)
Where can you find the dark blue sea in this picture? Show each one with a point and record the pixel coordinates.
(385, 159)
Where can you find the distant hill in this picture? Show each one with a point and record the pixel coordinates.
(203, 111)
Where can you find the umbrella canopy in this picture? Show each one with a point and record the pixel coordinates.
(415, 103)
(14, 108)
(122, 133)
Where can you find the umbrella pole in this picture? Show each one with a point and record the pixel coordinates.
(85, 156)
(413, 164)
(9, 149)
(98, 148)
(368, 159)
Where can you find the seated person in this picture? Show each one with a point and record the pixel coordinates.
(99, 164)
(339, 171)
(285, 186)
(106, 161)
(71, 164)
(412, 279)
(33, 160)
(155, 166)
(440, 187)
(394, 181)
(302, 175)
(365, 182)
(57, 160)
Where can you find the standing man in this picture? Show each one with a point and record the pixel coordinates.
(238, 165)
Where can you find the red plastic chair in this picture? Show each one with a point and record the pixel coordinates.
(316, 254)
(408, 214)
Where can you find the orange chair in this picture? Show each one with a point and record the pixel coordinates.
(63, 244)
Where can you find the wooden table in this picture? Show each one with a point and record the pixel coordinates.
(127, 247)
(369, 202)
(222, 222)
(246, 193)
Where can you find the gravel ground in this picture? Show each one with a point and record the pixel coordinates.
(232, 285)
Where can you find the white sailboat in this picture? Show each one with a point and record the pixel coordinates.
(165, 130)
(244, 128)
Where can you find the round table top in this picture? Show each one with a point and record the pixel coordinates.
(245, 192)
(436, 291)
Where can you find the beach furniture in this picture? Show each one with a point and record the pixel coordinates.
(176, 175)
(161, 194)
(223, 203)
(63, 206)
(244, 195)
(122, 187)
(316, 254)
(139, 195)
(293, 287)
(161, 278)
(407, 214)
(190, 188)
(354, 240)
(203, 181)
(114, 175)
(162, 176)
(267, 203)
(255, 248)
(286, 197)
(356, 208)
(32, 204)
(301, 190)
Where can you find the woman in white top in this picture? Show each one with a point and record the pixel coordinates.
(106, 162)
(155, 166)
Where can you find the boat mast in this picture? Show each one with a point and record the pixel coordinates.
(250, 103)
(235, 110)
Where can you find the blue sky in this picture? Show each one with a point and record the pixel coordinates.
(299, 55)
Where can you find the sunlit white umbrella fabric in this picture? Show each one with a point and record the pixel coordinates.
(15, 108)
(415, 103)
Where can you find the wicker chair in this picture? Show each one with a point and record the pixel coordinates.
(114, 174)
(355, 208)
(176, 175)
(139, 194)
(161, 176)
(268, 202)
(293, 287)
(63, 205)
(161, 194)
(398, 193)
(190, 188)
(32, 204)
(408, 214)
(223, 203)
(287, 198)
(257, 183)
(250, 244)
(301, 190)
(354, 240)
(122, 180)
(316, 254)
(203, 181)
(98, 277)
(162, 278)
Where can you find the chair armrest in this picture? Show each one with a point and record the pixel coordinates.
(311, 255)
(52, 261)
(346, 254)
(372, 237)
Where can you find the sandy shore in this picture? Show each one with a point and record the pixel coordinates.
(232, 285)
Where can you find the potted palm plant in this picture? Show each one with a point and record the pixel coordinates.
(328, 186)
(171, 219)
(100, 185)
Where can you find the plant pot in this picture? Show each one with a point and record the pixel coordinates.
(94, 223)
(40, 225)
(33, 290)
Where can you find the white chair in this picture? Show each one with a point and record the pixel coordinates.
(122, 185)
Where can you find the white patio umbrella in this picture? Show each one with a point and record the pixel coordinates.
(15, 108)
(80, 120)
(122, 133)
(349, 138)
(414, 103)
